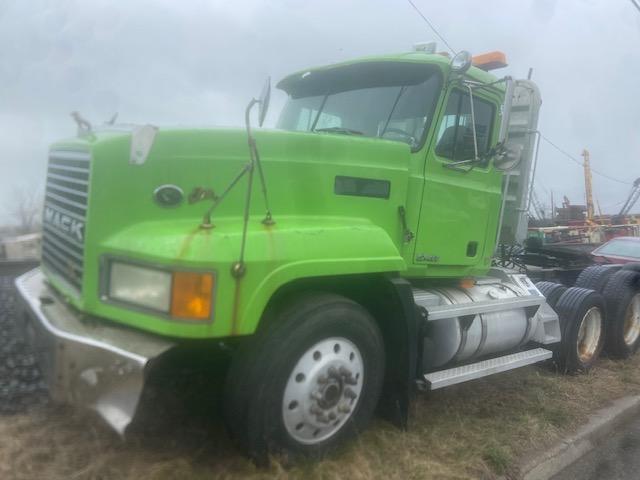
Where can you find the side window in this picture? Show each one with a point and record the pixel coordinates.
(327, 120)
(305, 119)
(455, 136)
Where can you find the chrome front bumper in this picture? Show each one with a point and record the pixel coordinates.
(83, 360)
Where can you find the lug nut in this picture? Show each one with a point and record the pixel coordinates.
(344, 371)
(316, 395)
(314, 410)
(350, 394)
(322, 379)
(322, 418)
(333, 372)
(344, 408)
(350, 381)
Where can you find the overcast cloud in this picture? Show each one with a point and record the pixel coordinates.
(199, 62)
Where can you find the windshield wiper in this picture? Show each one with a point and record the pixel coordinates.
(345, 131)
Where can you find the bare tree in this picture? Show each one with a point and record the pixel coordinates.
(27, 209)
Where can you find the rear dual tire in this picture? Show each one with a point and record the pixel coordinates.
(551, 291)
(596, 277)
(622, 295)
(633, 267)
(582, 320)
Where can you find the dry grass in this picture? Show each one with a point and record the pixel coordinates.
(474, 430)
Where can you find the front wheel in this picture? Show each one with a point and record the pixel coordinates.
(309, 380)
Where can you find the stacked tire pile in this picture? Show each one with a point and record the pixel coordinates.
(601, 312)
(21, 384)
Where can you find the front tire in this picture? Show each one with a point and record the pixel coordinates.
(309, 380)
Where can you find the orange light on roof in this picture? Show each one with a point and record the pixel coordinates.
(490, 61)
(192, 295)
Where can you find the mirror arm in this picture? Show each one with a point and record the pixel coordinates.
(506, 110)
(473, 125)
(247, 119)
(255, 160)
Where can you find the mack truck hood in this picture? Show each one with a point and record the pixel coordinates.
(297, 166)
(334, 199)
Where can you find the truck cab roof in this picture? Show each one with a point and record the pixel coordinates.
(439, 60)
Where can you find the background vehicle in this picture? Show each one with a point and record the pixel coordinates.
(618, 250)
(347, 261)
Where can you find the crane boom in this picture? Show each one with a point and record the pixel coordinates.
(632, 198)
(588, 185)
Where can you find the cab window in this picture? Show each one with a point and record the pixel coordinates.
(455, 135)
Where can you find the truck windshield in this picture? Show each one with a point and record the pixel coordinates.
(390, 100)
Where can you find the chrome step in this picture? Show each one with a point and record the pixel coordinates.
(451, 376)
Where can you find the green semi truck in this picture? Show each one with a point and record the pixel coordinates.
(342, 260)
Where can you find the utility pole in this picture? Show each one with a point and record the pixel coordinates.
(588, 186)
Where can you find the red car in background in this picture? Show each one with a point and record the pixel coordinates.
(618, 250)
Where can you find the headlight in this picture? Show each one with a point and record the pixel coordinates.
(142, 286)
(182, 295)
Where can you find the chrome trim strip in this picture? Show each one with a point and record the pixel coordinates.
(79, 181)
(52, 254)
(60, 166)
(441, 312)
(70, 155)
(65, 200)
(70, 191)
(58, 243)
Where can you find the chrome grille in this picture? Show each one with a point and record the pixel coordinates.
(65, 209)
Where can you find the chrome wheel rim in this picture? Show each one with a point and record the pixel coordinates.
(323, 390)
(632, 321)
(589, 334)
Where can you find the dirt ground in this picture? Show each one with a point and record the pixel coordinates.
(479, 429)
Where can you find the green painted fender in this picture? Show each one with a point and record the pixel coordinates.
(294, 248)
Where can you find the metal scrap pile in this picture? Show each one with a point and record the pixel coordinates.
(21, 384)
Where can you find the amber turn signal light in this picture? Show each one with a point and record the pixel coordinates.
(192, 295)
(467, 283)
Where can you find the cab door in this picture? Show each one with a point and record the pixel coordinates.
(460, 204)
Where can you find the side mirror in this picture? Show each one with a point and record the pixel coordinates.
(508, 157)
(263, 101)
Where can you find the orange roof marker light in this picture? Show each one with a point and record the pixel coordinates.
(490, 61)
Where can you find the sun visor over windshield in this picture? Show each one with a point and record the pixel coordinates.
(359, 75)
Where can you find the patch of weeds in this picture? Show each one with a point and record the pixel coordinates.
(555, 416)
(497, 457)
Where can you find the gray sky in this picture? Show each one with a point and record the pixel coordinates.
(200, 61)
